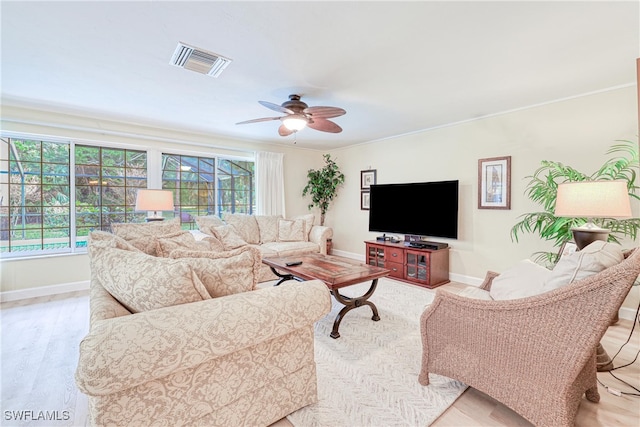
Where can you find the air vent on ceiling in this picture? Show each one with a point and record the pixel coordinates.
(199, 60)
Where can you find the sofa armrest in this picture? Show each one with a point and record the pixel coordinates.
(320, 234)
(127, 351)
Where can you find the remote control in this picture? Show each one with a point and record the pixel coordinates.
(293, 263)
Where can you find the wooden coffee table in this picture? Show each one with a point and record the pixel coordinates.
(336, 273)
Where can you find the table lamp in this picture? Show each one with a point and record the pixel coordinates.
(592, 199)
(154, 200)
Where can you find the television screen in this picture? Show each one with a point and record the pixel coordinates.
(421, 208)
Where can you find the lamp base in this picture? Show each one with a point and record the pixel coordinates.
(584, 237)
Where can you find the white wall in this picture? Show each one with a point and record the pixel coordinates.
(576, 132)
(20, 274)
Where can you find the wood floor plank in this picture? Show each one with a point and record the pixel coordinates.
(39, 354)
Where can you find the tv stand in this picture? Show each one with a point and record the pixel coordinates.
(420, 266)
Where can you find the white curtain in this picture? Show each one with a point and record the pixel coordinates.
(270, 183)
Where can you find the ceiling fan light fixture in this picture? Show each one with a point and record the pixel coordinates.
(294, 123)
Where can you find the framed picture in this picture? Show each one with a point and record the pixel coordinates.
(367, 179)
(494, 183)
(365, 201)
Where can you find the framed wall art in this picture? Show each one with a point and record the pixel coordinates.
(494, 183)
(367, 179)
(365, 200)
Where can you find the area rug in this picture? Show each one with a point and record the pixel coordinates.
(369, 376)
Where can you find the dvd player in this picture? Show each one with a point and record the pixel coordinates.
(422, 244)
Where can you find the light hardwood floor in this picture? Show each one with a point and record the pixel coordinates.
(40, 338)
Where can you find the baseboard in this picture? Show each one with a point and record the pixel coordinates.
(466, 280)
(357, 257)
(627, 313)
(43, 291)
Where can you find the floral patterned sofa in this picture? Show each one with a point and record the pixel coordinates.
(179, 335)
(273, 236)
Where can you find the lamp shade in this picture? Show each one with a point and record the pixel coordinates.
(154, 200)
(593, 199)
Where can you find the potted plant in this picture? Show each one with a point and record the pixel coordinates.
(543, 186)
(323, 185)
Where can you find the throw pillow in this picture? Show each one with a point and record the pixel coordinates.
(308, 223)
(199, 235)
(246, 226)
(268, 226)
(224, 273)
(144, 235)
(228, 236)
(207, 221)
(185, 240)
(142, 282)
(592, 259)
(522, 280)
(104, 239)
(291, 230)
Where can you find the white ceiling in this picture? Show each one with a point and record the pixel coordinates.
(395, 67)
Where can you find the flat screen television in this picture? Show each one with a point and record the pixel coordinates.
(420, 208)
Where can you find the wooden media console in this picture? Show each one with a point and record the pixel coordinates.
(422, 267)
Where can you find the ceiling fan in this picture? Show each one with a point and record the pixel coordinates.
(298, 115)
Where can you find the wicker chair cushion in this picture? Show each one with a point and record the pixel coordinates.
(475, 293)
(524, 279)
(592, 259)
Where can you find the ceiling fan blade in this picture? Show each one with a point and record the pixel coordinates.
(324, 112)
(284, 131)
(264, 119)
(324, 125)
(276, 107)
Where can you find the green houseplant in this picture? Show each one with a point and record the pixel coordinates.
(323, 185)
(542, 188)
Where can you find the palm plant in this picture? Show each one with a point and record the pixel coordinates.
(542, 189)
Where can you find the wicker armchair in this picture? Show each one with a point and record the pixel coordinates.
(536, 354)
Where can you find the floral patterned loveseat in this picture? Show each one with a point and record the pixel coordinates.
(272, 235)
(189, 340)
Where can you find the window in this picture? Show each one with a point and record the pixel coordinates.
(107, 180)
(236, 189)
(36, 193)
(208, 186)
(34, 196)
(54, 193)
